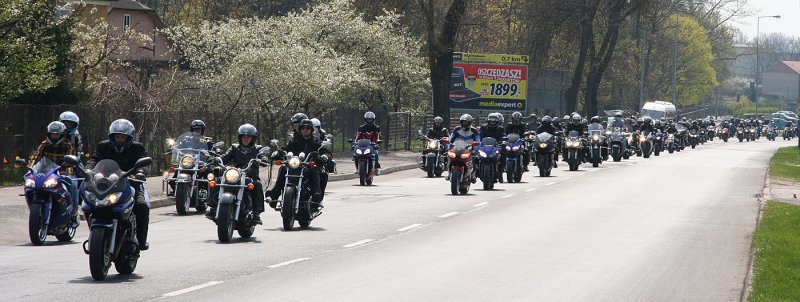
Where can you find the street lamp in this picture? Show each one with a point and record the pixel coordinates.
(758, 62)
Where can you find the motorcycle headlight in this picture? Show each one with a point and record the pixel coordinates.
(113, 198)
(210, 176)
(187, 162)
(451, 154)
(516, 148)
(367, 151)
(642, 139)
(596, 137)
(465, 155)
(508, 147)
(30, 183)
(543, 145)
(481, 153)
(232, 176)
(294, 162)
(432, 145)
(608, 132)
(358, 151)
(50, 183)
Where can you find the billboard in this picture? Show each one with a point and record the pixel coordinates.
(488, 82)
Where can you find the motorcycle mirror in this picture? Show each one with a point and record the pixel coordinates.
(143, 162)
(264, 150)
(273, 142)
(475, 144)
(350, 141)
(23, 162)
(302, 155)
(70, 159)
(219, 144)
(328, 136)
(290, 154)
(326, 145)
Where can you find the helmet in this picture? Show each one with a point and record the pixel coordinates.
(694, 123)
(369, 115)
(58, 128)
(546, 120)
(69, 116)
(576, 118)
(584, 121)
(556, 120)
(533, 117)
(306, 123)
(121, 126)
(683, 119)
(297, 117)
(198, 124)
(658, 122)
(640, 120)
(516, 117)
(492, 118)
(465, 119)
(315, 122)
(248, 130)
(500, 117)
(438, 120)
(566, 117)
(595, 119)
(618, 114)
(648, 120)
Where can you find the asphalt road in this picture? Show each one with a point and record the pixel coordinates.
(673, 228)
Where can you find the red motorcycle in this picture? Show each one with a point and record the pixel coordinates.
(460, 167)
(723, 134)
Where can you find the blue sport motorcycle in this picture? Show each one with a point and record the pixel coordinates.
(514, 149)
(364, 152)
(109, 196)
(49, 201)
(488, 156)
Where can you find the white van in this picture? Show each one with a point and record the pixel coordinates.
(658, 109)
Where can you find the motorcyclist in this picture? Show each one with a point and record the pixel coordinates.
(494, 129)
(617, 122)
(330, 165)
(199, 127)
(305, 143)
(556, 123)
(658, 126)
(240, 155)
(318, 131)
(295, 121)
(55, 147)
(576, 125)
(533, 123)
(371, 132)
(438, 130)
(72, 122)
(466, 133)
(121, 148)
(548, 126)
(647, 125)
(517, 126)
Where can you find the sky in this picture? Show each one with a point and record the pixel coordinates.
(789, 23)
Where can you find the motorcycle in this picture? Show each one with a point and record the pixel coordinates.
(740, 133)
(574, 147)
(750, 134)
(596, 146)
(618, 144)
(296, 202)
(190, 158)
(545, 149)
(671, 144)
(770, 133)
(49, 202)
(710, 133)
(694, 138)
(646, 143)
(788, 133)
(460, 166)
(723, 134)
(364, 154)
(432, 159)
(234, 211)
(658, 142)
(514, 151)
(701, 136)
(488, 157)
(109, 197)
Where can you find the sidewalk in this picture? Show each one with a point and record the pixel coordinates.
(783, 190)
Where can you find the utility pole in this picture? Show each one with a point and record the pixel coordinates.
(758, 60)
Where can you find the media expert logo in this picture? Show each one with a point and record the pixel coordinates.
(492, 104)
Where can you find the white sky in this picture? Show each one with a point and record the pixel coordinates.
(789, 23)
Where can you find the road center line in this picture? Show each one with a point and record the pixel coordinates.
(581, 174)
(409, 227)
(449, 214)
(357, 243)
(480, 204)
(190, 289)
(550, 183)
(287, 262)
(530, 190)
(566, 178)
(507, 196)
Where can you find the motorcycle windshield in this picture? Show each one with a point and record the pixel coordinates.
(364, 143)
(190, 143)
(488, 141)
(573, 134)
(544, 137)
(595, 127)
(460, 146)
(44, 166)
(513, 138)
(105, 177)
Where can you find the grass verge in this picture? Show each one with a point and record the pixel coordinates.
(777, 254)
(786, 163)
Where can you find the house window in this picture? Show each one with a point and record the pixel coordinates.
(126, 22)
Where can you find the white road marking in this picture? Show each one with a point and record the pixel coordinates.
(550, 183)
(581, 174)
(449, 214)
(357, 243)
(190, 289)
(507, 196)
(409, 227)
(480, 204)
(288, 262)
(530, 190)
(566, 178)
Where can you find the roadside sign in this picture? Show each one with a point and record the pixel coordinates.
(490, 58)
(489, 81)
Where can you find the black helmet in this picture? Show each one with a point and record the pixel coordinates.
(298, 117)
(58, 128)
(306, 123)
(516, 117)
(492, 118)
(648, 120)
(533, 117)
(248, 130)
(198, 124)
(546, 120)
(595, 119)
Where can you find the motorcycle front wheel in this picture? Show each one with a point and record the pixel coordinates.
(37, 231)
(182, 198)
(287, 210)
(99, 260)
(225, 223)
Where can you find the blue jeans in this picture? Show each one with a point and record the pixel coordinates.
(72, 187)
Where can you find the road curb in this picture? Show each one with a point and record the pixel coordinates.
(166, 202)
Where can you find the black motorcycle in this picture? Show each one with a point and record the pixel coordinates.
(109, 195)
(296, 201)
(190, 157)
(544, 149)
(432, 160)
(596, 140)
(234, 210)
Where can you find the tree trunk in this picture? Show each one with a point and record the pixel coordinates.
(440, 52)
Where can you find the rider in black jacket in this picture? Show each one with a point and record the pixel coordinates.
(240, 155)
(647, 126)
(121, 148)
(304, 143)
(438, 130)
(519, 127)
